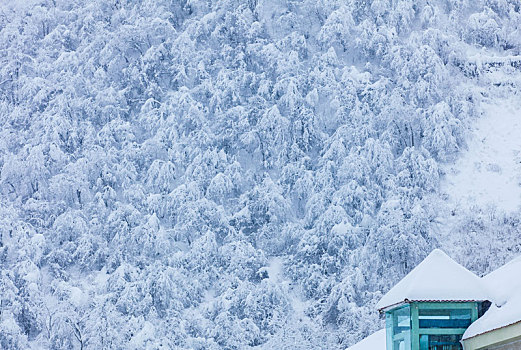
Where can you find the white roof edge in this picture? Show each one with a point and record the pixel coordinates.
(488, 331)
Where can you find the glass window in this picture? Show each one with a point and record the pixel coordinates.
(401, 320)
(448, 318)
(440, 342)
(398, 324)
(389, 331)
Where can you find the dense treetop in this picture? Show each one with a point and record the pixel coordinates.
(199, 174)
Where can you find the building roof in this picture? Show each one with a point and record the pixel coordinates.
(505, 283)
(375, 341)
(437, 278)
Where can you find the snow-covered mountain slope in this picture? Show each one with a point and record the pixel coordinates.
(488, 171)
(237, 174)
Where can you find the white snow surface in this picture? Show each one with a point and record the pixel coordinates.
(276, 277)
(375, 341)
(489, 171)
(437, 278)
(506, 310)
(505, 281)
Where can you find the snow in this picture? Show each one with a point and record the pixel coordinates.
(179, 157)
(8, 324)
(505, 281)
(375, 341)
(274, 269)
(101, 277)
(506, 310)
(342, 228)
(437, 278)
(488, 172)
(276, 277)
(77, 297)
(496, 317)
(143, 336)
(480, 58)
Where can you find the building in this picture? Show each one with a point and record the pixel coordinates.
(440, 305)
(500, 326)
(433, 305)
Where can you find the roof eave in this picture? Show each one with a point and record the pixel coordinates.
(491, 330)
(393, 306)
(408, 301)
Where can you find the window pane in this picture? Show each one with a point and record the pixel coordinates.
(455, 318)
(424, 342)
(401, 320)
(398, 324)
(389, 331)
(440, 342)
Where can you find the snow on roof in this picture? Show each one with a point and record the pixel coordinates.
(505, 281)
(495, 318)
(437, 278)
(506, 310)
(375, 341)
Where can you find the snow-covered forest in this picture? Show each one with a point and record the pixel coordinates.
(242, 174)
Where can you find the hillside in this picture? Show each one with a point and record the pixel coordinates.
(190, 174)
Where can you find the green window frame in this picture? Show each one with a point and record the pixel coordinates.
(429, 325)
(449, 322)
(398, 328)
